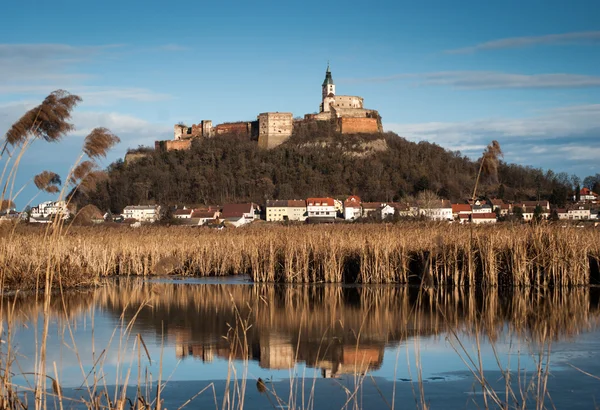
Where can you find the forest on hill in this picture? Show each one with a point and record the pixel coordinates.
(314, 162)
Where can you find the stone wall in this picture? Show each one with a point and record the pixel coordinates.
(172, 145)
(358, 125)
(132, 157)
(274, 128)
(238, 128)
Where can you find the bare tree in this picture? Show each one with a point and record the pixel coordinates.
(489, 163)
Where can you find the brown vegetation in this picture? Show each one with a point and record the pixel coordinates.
(442, 254)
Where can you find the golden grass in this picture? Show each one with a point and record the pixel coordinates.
(502, 255)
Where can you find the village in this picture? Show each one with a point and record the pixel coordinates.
(326, 210)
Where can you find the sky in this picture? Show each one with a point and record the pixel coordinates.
(458, 74)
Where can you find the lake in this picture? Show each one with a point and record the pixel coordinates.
(229, 343)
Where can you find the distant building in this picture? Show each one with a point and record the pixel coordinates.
(142, 213)
(240, 214)
(320, 208)
(438, 210)
(352, 208)
(347, 111)
(274, 128)
(481, 218)
(286, 210)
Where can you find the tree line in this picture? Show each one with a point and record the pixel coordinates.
(316, 161)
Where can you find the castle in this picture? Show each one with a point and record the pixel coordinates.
(271, 129)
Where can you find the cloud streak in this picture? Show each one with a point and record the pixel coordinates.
(563, 138)
(482, 80)
(580, 37)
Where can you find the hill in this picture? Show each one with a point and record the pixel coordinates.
(313, 162)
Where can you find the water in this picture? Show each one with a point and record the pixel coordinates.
(319, 341)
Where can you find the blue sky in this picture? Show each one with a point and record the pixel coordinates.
(459, 74)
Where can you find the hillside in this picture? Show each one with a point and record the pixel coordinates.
(313, 162)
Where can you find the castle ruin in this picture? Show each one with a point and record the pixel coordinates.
(271, 129)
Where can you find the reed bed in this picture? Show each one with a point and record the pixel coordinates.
(437, 254)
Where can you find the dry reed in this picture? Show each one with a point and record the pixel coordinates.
(498, 256)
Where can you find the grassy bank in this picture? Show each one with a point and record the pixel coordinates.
(438, 254)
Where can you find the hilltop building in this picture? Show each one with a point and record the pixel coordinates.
(346, 110)
(271, 129)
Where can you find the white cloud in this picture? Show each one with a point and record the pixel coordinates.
(38, 69)
(173, 47)
(560, 138)
(472, 80)
(518, 42)
(492, 79)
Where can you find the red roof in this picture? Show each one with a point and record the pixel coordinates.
(320, 202)
(352, 202)
(182, 212)
(204, 214)
(237, 210)
(457, 208)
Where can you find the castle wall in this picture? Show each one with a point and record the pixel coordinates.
(349, 125)
(274, 128)
(239, 128)
(132, 157)
(172, 145)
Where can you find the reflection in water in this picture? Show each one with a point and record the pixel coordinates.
(337, 329)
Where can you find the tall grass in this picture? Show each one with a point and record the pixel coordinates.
(497, 256)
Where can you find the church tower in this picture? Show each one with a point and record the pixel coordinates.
(328, 91)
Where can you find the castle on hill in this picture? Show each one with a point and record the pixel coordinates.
(271, 129)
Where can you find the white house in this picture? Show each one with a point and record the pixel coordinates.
(45, 212)
(387, 211)
(184, 213)
(203, 216)
(579, 212)
(369, 208)
(586, 195)
(240, 214)
(438, 211)
(352, 208)
(320, 208)
(286, 210)
(481, 218)
(142, 213)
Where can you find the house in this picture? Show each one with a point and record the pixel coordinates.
(240, 214)
(579, 212)
(404, 209)
(371, 208)
(438, 211)
(184, 213)
(286, 210)
(320, 208)
(49, 209)
(545, 205)
(204, 216)
(481, 218)
(9, 215)
(482, 208)
(461, 209)
(562, 213)
(352, 208)
(387, 211)
(142, 213)
(586, 195)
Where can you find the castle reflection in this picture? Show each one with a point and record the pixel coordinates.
(335, 329)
